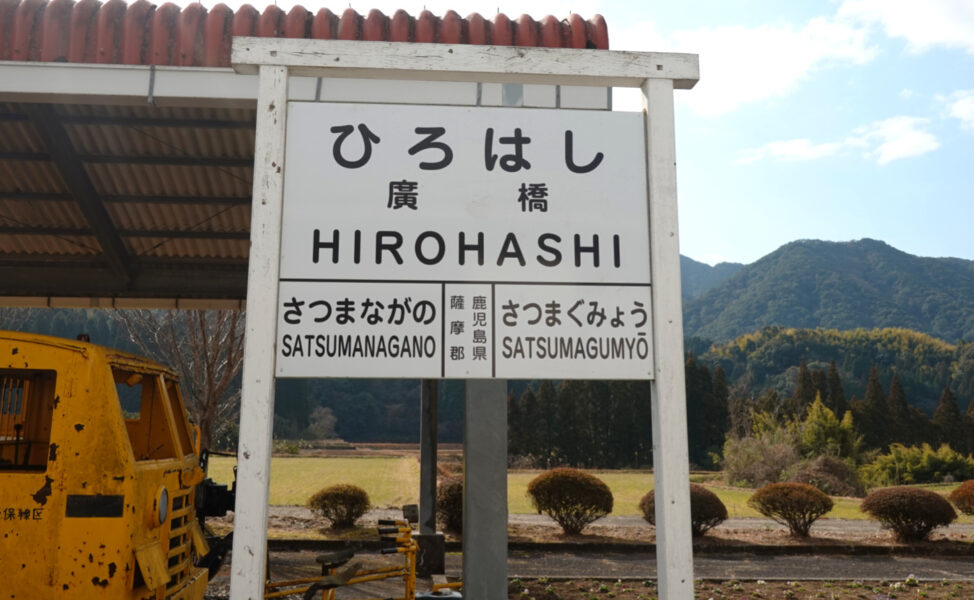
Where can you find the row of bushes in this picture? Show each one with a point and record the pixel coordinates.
(574, 499)
(779, 453)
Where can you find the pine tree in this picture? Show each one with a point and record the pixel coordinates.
(547, 423)
(947, 420)
(721, 412)
(820, 384)
(836, 395)
(870, 412)
(529, 417)
(769, 402)
(700, 404)
(898, 413)
(514, 424)
(804, 393)
(567, 437)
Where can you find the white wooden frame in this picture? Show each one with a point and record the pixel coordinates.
(657, 74)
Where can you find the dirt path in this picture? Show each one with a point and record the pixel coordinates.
(299, 522)
(641, 566)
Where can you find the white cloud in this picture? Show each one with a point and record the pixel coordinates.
(791, 150)
(898, 137)
(883, 142)
(907, 93)
(924, 25)
(960, 105)
(741, 65)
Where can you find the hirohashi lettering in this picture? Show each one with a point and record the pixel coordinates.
(431, 248)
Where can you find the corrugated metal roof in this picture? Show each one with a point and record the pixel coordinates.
(155, 200)
(175, 182)
(144, 33)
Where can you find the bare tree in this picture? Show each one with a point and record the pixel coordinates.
(205, 347)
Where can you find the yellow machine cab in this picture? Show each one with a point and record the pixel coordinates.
(98, 475)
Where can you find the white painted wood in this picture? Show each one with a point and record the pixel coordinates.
(674, 549)
(257, 397)
(133, 84)
(594, 98)
(462, 62)
(492, 94)
(539, 96)
(339, 89)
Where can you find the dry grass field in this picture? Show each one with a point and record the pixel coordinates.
(392, 481)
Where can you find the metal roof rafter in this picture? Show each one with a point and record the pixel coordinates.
(54, 137)
(111, 159)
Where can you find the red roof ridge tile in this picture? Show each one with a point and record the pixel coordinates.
(88, 31)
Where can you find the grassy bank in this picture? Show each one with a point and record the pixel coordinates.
(394, 481)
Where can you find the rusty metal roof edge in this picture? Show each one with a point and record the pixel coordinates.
(144, 33)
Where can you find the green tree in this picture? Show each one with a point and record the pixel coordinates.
(898, 413)
(870, 413)
(948, 422)
(548, 423)
(515, 426)
(769, 402)
(820, 384)
(804, 393)
(701, 409)
(823, 434)
(567, 436)
(721, 404)
(835, 399)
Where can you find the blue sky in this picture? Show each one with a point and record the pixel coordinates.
(834, 120)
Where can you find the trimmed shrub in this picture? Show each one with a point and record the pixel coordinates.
(963, 497)
(831, 475)
(706, 509)
(910, 513)
(571, 497)
(449, 504)
(341, 504)
(796, 505)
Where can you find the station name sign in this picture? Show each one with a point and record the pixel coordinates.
(464, 242)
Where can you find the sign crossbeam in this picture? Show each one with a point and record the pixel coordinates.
(654, 306)
(464, 62)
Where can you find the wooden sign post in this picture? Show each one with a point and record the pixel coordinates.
(464, 242)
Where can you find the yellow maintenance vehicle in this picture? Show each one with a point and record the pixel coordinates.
(99, 470)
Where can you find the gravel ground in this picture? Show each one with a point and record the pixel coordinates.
(711, 565)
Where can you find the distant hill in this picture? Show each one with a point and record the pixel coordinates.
(699, 277)
(769, 359)
(839, 285)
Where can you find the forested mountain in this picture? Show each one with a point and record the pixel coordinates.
(840, 285)
(699, 277)
(769, 360)
(808, 301)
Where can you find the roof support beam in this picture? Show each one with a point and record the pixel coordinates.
(108, 159)
(198, 234)
(78, 279)
(58, 144)
(57, 197)
(140, 121)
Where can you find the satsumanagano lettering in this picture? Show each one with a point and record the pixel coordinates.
(575, 347)
(431, 248)
(358, 346)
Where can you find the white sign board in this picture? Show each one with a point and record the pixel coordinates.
(464, 242)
